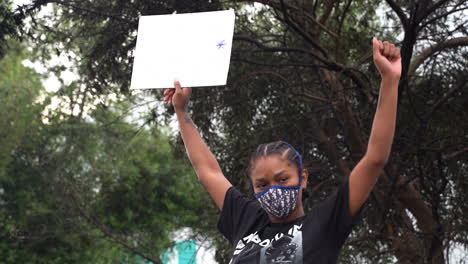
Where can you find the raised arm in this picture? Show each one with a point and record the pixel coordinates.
(364, 176)
(203, 161)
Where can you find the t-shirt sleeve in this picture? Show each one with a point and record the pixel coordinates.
(239, 213)
(337, 214)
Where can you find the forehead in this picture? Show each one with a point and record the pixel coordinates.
(271, 165)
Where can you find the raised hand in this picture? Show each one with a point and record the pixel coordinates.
(387, 58)
(203, 161)
(178, 96)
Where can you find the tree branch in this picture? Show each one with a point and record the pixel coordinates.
(329, 65)
(328, 10)
(460, 84)
(455, 154)
(279, 65)
(284, 6)
(321, 26)
(426, 53)
(103, 229)
(432, 20)
(301, 32)
(400, 13)
(428, 11)
(89, 10)
(282, 49)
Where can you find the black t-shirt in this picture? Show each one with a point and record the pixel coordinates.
(314, 238)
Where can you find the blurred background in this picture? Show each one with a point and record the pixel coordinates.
(91, 172)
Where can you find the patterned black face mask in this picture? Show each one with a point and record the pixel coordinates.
(280, 201)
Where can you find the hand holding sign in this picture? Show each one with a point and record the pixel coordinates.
(178, 96)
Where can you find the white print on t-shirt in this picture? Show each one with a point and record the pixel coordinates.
(281, 248)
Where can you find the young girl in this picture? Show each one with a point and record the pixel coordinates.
(274, 228)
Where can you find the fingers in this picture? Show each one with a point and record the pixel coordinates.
(168, 93)
(167, 99)
(177, 86)
(386, 49)
(396, 54)
(391, 52)
(187, 91)
(376, 46)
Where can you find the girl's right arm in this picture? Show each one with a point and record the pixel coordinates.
(203, 161)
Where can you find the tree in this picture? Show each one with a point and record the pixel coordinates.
(302, 72)
(10, 24)
(30, 230)
(92, 187)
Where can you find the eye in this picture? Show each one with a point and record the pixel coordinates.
(284, 180)
(261, 186)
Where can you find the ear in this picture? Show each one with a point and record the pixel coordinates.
(305, 178)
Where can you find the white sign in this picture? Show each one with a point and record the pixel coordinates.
(193, 48)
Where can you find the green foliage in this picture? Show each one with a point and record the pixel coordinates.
(83, 189)
(9, 24)
(31, 227)
(19, 87)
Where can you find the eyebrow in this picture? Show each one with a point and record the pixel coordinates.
(274, 176)
(279, 173)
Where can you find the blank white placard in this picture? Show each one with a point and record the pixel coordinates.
(194, 48)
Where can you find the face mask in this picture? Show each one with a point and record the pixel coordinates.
(280, 201)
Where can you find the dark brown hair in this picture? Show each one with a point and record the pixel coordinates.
(278, 147)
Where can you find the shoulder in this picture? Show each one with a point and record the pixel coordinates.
(332, 217)
(240, 214)
(337, 197)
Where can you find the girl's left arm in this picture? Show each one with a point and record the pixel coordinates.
(364, 176)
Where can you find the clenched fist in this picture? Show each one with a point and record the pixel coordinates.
(178, 96)
(387, 58)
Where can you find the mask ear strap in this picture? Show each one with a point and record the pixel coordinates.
(300, 161)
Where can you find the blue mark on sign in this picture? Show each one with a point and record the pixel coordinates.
(221, 44)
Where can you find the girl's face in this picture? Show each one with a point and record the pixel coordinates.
(276, 170)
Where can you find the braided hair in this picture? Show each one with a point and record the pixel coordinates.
(278, 147)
